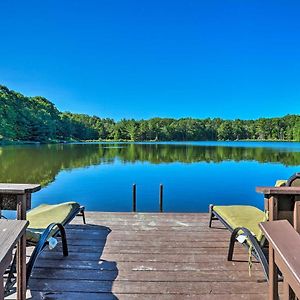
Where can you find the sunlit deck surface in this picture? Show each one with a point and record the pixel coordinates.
(146, 256)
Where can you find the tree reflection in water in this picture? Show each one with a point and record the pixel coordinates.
(42, 163)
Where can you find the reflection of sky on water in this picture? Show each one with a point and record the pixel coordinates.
(188, 187)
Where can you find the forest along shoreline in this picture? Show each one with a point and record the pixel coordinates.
(55, 142)
(36, 119)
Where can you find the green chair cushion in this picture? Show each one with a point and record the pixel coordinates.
(245, 216)
(280, 183)
(42, 216)
(242, 216)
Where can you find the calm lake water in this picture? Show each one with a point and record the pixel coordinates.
(194, 174)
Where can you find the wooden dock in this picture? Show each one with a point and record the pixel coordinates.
(146, 256)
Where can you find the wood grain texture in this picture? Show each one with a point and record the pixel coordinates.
(282, 190)
(10, 232)
(21, 250)
(18, 189)
(296, 216)
(146, 256)
(285, 243)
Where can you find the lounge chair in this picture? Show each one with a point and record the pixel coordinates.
(46, 223)
(243, 221)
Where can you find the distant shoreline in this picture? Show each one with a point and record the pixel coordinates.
(11, 143)
(29, 120)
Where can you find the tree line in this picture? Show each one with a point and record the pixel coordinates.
(37, 119)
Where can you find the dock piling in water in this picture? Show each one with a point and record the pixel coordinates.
(161, 191)
(134, 197)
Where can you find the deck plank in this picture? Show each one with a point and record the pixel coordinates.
(146, 256)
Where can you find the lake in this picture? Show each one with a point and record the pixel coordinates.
(194, 174)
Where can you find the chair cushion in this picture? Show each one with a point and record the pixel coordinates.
(42, 216)
(242, 216)
(280, 183)
(245, 215)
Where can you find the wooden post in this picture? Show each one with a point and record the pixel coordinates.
(134, 197)
(1, 288)
(273, 208)
(273, 272)
(161, 191)
(266, 203)
(21, 250)
(288, 293)
(297, 216)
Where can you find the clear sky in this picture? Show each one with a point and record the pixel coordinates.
(146, 58)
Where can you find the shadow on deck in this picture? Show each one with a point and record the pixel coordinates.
(146, 256)
(83, 271)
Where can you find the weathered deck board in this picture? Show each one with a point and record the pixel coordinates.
(146, 256)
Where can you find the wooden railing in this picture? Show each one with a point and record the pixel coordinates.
(11, 231)
(284, 244)
(282, 203)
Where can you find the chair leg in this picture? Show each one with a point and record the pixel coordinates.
(37, 250)
(11, 279)
(256, 248)
(210, 215)
(63, 239)
(82, 214)
(231, 246)
(41, 245)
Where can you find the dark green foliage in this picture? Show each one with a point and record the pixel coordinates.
(37, 119)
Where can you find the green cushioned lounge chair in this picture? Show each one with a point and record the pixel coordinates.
(243, 222)
(46, 222)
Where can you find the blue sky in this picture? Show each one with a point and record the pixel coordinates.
(140, 59)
